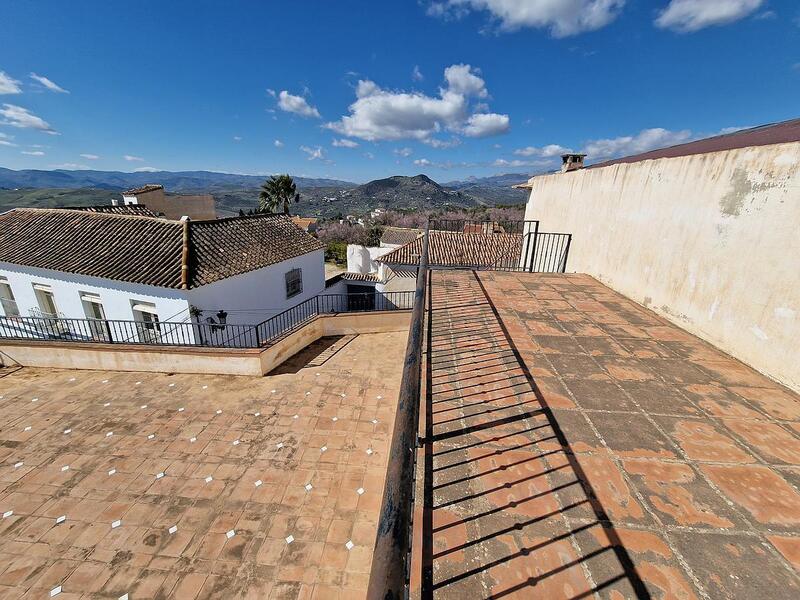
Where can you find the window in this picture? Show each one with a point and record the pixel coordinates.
(294, 283)
(7, 301)
(144, 313)
(46, 300)
(93, 309)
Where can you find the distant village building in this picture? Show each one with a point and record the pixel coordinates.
(704, 233)
(307, 224)
(174, 206)
(95, 264)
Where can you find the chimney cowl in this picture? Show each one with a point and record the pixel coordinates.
(572, 162)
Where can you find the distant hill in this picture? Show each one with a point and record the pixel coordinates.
(319, 197)
(180, 181)
(502, 181)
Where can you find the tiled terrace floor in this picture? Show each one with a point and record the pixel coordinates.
(577, 445)
(90, 446)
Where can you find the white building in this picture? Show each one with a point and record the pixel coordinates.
(75, 264)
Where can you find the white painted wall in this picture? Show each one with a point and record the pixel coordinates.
(361, 259)
(253, 297)
(711, 242)
(248, 298)
(117, 296)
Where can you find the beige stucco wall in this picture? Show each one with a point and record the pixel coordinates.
(254, 362)
(711, 241)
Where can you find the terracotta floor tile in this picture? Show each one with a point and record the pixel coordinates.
(679, 495)
(173, 537)
(771, 441)
(703, 440)
(736, 566)
(760, 491)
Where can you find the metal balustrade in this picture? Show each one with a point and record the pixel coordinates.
(191, 333)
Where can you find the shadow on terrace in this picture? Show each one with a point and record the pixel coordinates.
(554, 439)
(499, 473)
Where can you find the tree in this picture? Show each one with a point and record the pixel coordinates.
(275, 191)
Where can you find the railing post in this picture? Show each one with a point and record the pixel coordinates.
(566, 253)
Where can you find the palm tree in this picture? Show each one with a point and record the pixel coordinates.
(275, 191)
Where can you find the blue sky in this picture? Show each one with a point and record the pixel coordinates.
(359, 90)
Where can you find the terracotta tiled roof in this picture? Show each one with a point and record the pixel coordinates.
(227, 247)
(764, 135)
(122, 209)
(347, 276)
(399, 235)
(146, 250)
(305, 222)
(150, 187)
(453, 248)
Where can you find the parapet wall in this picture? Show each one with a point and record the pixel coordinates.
(221, 361)
(711, 242)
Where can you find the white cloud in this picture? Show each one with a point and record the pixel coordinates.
(344, 143)
(147, 170)
(517, 163)
(462, 79)
(369, 155)
(297, 105)
(33, 152)
(691, 15)
(131, 158)
(5, 140)
(9, 85)
(486, 124)
(16, 116)
(90, 156)
(380, 114)
(439, 144)
(562, 17)
(315, 153)
(237, 138)
(645, 140)
(423, 162)
(404, 152)
(277, 144)
(48, 83)
(545, 151)
(71, 166)
(272, 93)
(416, 74)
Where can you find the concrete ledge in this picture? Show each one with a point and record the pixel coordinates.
(188, 359)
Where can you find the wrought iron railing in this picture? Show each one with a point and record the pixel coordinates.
(504, 245)
(190, 333)
(286, 322)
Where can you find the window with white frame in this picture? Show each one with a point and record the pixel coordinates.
(46, 301)
(294, 282)
(7, 301)
(146, 317)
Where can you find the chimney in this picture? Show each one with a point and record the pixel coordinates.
(571, 162)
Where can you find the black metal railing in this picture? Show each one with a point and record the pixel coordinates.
(391, 558)
(190, 333)
(505, 245)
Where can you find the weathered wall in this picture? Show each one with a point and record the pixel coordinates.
(711, 241)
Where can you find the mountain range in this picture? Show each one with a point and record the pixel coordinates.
(232, 192)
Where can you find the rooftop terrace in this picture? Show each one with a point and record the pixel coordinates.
(574, 445)
(577, 445)
(197, 486)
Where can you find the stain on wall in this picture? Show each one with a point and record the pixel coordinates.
(709, 241)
